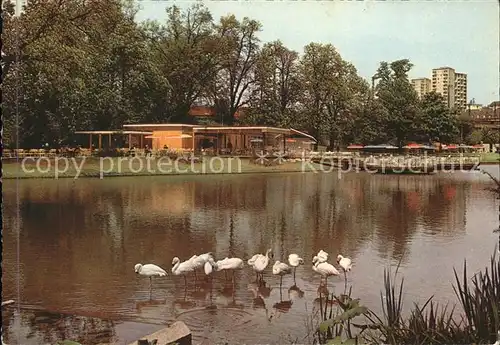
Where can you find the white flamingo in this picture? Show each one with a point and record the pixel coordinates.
(210, 267)
(150, 270)
(345, 263)
(182, 268)
(294, 260)
(322, 256)
(281, 269)
(229, 264)
(259, 262)
(325, 269)
(198, 261)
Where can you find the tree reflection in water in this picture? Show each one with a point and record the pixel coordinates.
(49, 328)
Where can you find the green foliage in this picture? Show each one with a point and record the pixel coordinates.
(71, 65)
(333, 93)
(481, 302)
(398, 97)
(338, 314)
(484, 135)
(437, 122)
(277, 87)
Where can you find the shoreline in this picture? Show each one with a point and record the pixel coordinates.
(98, 176)
(176, 174)
(95, 169)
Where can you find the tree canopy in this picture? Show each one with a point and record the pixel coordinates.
(70, 65)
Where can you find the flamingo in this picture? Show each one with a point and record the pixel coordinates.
(229, 264)
(198, 261)
(281, 269)
(182, 268)
(294, 260)
(210, 267)
(259, 262)
(322, 256)
(345, 263)
(150, 270)
(325, 269)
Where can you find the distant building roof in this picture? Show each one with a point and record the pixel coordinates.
(483, 113)
(444, 67)
(200, 110)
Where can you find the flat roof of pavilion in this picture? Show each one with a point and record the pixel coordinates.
(114, 132)
(149, 127)
(156, 126)
(239, 129)
(220, 129)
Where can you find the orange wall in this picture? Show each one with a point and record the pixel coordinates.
(172, 143)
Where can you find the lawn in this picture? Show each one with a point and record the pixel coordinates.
(490, 157)
(140, 166)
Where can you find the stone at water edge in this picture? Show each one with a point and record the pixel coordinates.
(177, 333)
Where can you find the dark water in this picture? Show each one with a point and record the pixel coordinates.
(79, 242)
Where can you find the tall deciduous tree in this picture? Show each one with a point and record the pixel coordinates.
(188, 54)
(437, 122)
(239, 46)
(369, 125)
(396, 94)
(333, 91)
(277, 86)
(87, 70)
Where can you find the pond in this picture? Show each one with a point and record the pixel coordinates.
(80, 239)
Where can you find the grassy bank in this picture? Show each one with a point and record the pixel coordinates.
(107, 167)
(140, 166)
(490, 158)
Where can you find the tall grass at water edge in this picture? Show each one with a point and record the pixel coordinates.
(476, 319)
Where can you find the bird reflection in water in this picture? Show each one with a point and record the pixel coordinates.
(229, 292)
(258, 297)
(294, 292)
(183, 302)
(200, 293)
(282, 306)
(323, 293)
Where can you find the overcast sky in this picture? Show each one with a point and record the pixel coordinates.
(460, 34)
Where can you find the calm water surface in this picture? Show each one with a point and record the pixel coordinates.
(80, 240)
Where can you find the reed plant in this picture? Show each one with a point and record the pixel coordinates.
(480, 301)
(338, 314)
(431, 323)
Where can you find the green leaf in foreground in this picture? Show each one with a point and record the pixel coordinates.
(345, 316)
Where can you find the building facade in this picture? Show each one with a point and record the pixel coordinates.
(19, 6)
(451, 85)
(422, 86)
(187, 137)
(460, 90)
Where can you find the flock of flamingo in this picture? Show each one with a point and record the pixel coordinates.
(258, 262)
